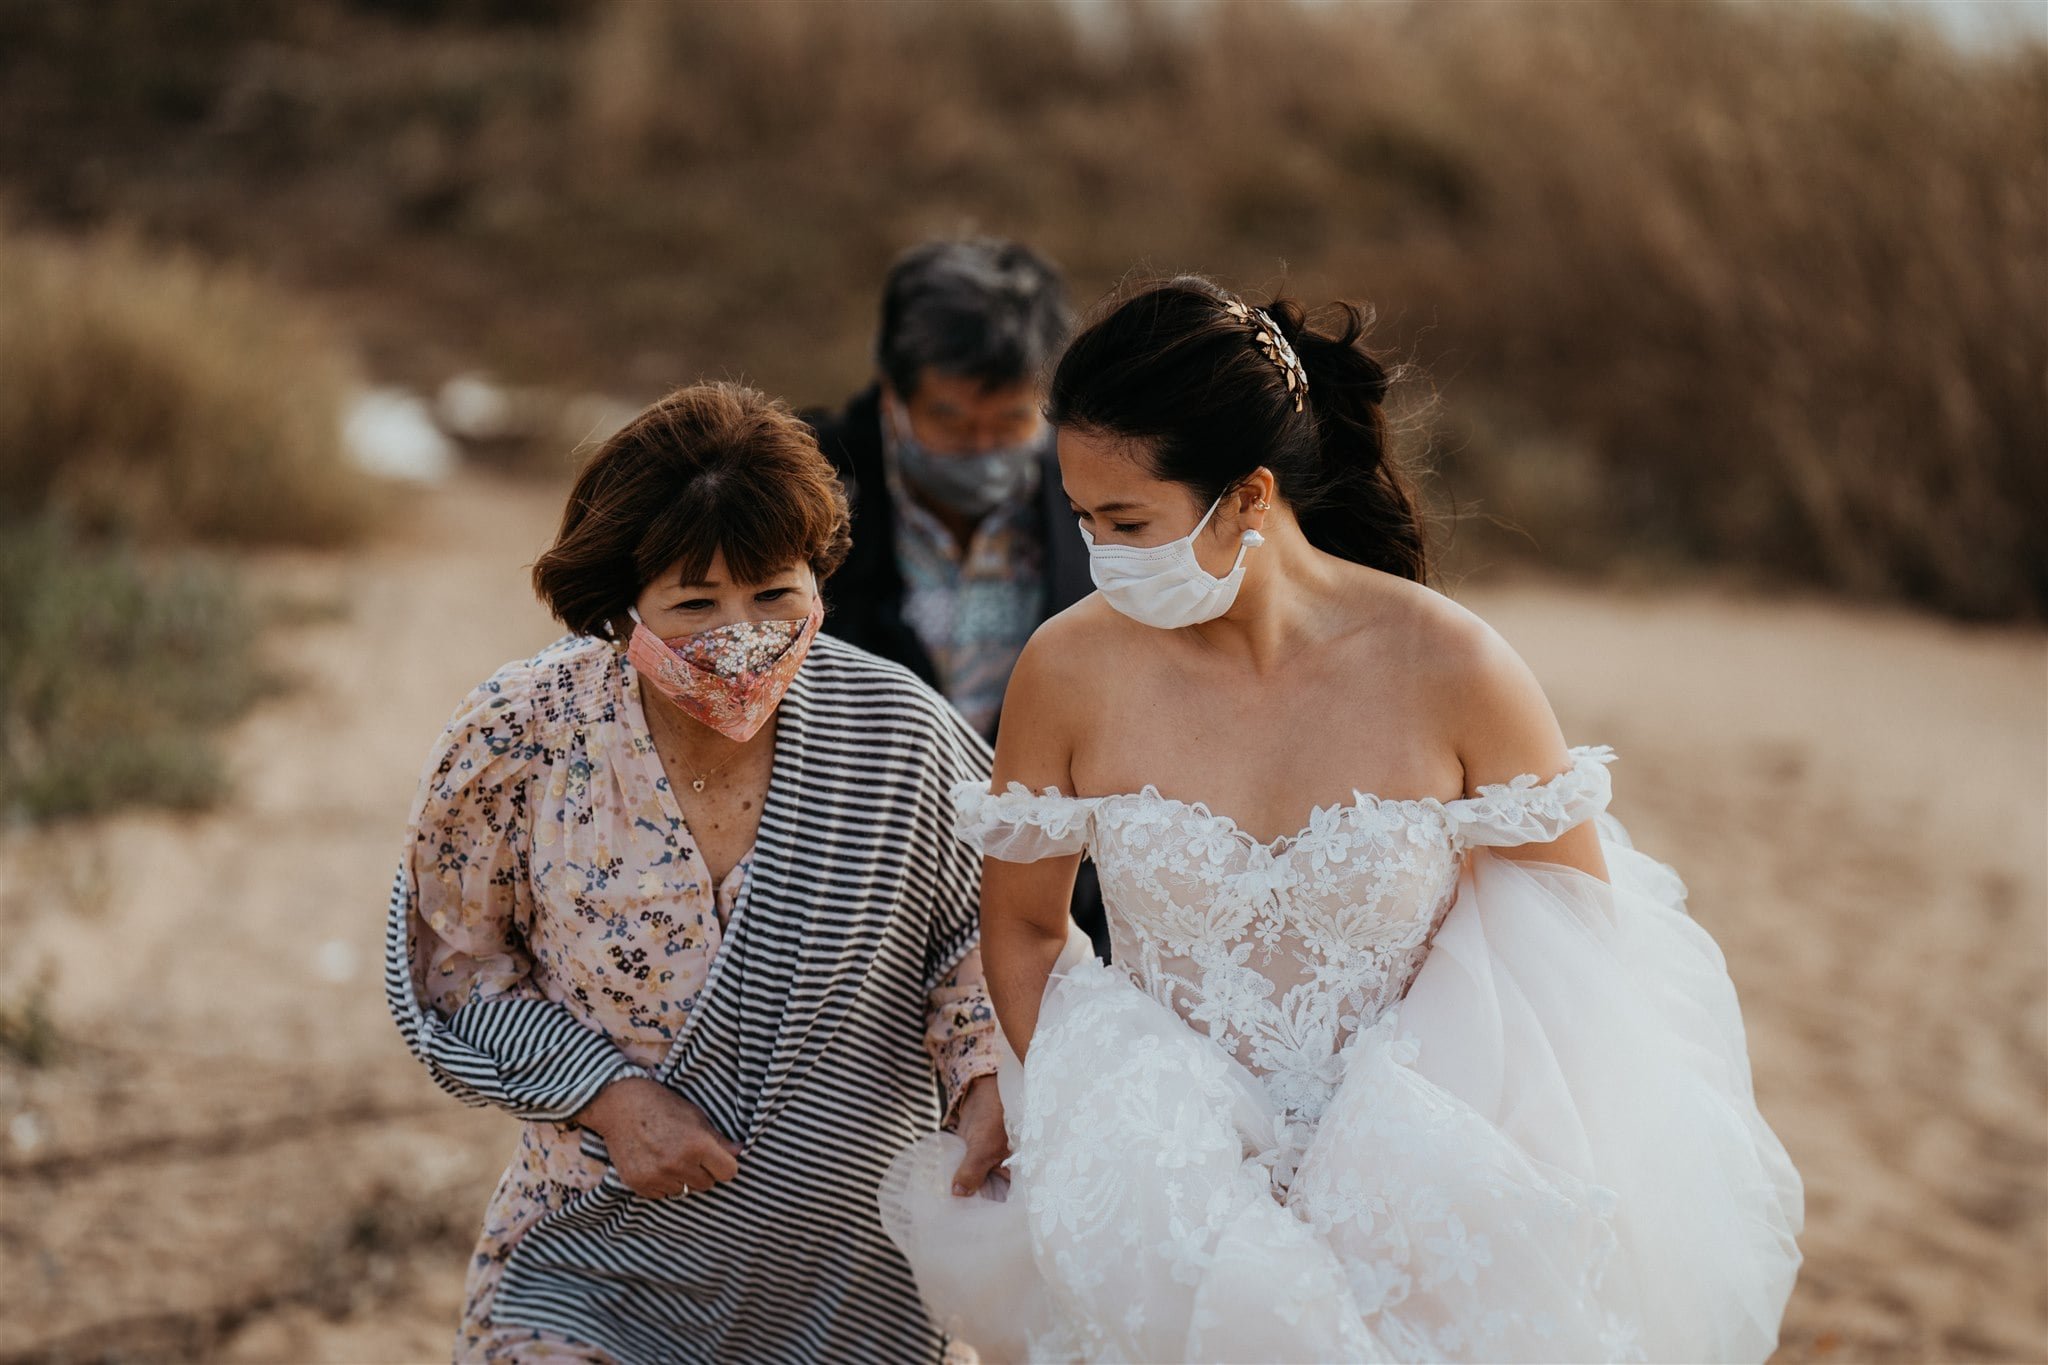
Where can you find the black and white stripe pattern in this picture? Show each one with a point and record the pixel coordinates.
(806, 1044)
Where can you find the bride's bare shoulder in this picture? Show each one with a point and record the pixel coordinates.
(1461, 641)
(1082, 637)
(1068, 656)
(1432, 628)
(1483, 696)
(1055, 688)
(1449, 649)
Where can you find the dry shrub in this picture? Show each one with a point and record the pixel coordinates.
(1784, 274)
(150, 394)
(116, 675)
(28, 1034)
(1726, 283)
(1777, 277)
(145, 398)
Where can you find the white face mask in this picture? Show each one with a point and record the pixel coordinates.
(1165, 585)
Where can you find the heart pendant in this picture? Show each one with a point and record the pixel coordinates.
(698, 785)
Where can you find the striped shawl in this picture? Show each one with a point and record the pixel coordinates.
(806, 1044)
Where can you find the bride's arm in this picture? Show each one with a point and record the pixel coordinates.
(1025, 906)
(1504, 728)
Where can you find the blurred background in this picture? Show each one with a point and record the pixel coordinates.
(1729, 327)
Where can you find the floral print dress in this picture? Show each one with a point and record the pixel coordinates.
(553, 862)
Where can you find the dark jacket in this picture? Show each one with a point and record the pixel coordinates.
(864, 600)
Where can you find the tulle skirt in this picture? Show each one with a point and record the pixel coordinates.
(1549, 1151)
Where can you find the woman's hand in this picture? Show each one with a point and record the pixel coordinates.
(661, 1144)
(980, 1124)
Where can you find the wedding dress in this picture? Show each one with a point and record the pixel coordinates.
(1367, 1093)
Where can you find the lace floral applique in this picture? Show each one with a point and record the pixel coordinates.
(1280, 952)
(1018, 824)
(1529, 810)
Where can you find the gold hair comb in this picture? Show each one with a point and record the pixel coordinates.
(1269, 339)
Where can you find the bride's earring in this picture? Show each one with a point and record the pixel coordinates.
(1252, 538)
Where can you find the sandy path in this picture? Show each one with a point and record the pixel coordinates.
(1857, 802)
(282, 1181)
(236, 1159)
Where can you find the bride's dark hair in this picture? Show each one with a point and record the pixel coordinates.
(1173, 369)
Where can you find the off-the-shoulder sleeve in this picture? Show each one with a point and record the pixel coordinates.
(1018, 825)
(1530, 810)
(457, 973)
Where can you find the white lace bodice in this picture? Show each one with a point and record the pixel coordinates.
(1280, 952)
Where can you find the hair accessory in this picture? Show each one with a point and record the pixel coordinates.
(1270, 339)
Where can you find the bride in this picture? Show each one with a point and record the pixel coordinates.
(1405, 1053)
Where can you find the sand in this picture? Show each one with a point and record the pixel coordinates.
(235, 1158)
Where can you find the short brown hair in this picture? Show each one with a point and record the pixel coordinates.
(708, 468)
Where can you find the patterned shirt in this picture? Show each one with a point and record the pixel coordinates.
(568, 887)
(972, 611)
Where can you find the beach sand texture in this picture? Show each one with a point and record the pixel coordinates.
(235, 1158)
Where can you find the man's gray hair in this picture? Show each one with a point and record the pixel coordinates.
(980, 308)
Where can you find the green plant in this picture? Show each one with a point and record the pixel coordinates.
(27, 1032)
(115, 674)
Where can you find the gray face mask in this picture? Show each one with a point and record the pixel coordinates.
(972, 485)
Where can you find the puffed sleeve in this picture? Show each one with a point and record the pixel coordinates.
(1018, 825)
(457, 973)
(1531, 810)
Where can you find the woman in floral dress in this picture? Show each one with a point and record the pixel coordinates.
(678, 893)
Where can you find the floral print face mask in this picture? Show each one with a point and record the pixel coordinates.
(731, 678)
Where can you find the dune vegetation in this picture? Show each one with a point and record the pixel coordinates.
(154, 408)
(1741, 285)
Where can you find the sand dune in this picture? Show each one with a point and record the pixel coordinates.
(235, 1158)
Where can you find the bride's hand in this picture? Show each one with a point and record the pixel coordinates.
(980, 1124)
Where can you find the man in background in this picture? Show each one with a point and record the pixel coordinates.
(962, 538)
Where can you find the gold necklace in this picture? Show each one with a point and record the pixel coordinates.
(700, 778)
(697, 782)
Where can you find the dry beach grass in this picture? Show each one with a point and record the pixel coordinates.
(1749, 284)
